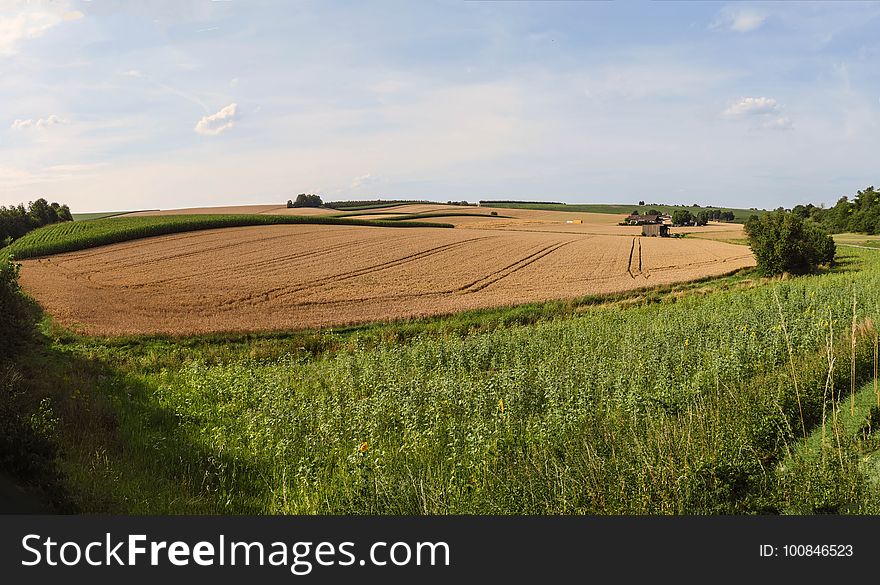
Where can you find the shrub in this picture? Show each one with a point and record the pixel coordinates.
(784, 242)
(16, 315)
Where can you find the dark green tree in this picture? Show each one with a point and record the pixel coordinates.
(681, 217)
(783, 242)
(304, 200)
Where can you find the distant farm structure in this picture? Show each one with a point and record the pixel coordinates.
(655, 229)
(653, 223)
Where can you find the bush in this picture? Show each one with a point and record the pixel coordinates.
(784, 242)
(16, 315)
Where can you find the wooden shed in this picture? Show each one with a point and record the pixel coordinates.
(655, 229)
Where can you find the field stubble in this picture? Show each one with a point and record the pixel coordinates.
(304, 276)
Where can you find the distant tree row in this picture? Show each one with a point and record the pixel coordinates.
(371, 203)
(685, 217)
(465, 203)
(17, 220)
(305, 200)
(859, 214)
(503, 201)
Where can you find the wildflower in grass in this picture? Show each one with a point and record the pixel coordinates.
(364, 447)
(501, 405)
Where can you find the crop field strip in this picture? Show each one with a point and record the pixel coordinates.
(74, 236)
(302, 276)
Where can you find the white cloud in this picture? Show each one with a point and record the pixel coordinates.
(362, 180)
(218, 123)
(21, 21)
(779, 123)
(740, 20)
(752, 106)
(40, 123)
(654, 78)
(763, 112)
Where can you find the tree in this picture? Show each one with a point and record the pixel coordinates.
(641, 203)
(304, 200)
(784, 242)
(17, 221)
(42, 212)
(681, 217)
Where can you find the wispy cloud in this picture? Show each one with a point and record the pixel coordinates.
(752, 106)
(363, 180)
(739, 19)
(219, 122)
(39, 123)
(765, 112)
(29, 21)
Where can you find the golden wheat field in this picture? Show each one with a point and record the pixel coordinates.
(306, 276)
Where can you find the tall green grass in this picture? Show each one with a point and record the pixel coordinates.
(691, 405)
(72, 236)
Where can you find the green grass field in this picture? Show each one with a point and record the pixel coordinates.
(71, 236)
(690, 399)
(741, 215)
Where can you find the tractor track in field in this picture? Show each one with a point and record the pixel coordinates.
(635, 255)
(249, 267)
(283, 291)
(497, 275)
(151, 260)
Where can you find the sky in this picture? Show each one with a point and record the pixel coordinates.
(112, 105)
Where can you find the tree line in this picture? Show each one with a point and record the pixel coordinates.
(371, 203)
(305, 200)
(17, 220)
(859, 214)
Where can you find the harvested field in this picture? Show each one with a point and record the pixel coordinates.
(236, 210)
(303, 276)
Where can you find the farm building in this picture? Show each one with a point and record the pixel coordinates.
(655, 229)
(636, 219)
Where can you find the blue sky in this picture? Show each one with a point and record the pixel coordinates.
(130, 105)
